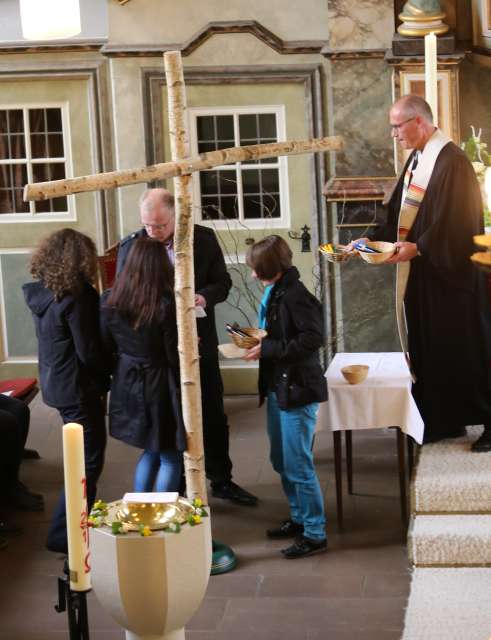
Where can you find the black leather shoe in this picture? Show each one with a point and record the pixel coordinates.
(287, 529)
(230, 491)
(483, 443)
(303, 547)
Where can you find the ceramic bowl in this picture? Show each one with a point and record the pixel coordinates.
(387, 249)
(355, 373)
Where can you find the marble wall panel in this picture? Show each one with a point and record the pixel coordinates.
(368, 307)
(361, 91)
(475, 85)
(364, 24)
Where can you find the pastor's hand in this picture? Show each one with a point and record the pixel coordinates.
(405, 251)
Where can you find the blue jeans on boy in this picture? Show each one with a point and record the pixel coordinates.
(291, 434)
(160, 468)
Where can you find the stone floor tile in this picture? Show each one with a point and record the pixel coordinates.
(355, 634)
(380, 585)
(232, 585)
(310, 586)
(245, 635)
(209, 615)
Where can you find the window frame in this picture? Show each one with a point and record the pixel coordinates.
(280, 163)
(32, 216)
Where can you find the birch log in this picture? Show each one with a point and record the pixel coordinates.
(165, 170)
(184, 283)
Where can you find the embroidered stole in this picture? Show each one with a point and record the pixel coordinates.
(414, 194)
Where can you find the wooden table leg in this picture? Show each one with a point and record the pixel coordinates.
(402, 474)
(349, 459)
(410, 456)
(339, 476)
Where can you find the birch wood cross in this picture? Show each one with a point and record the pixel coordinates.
(181, 169)
(165, 170)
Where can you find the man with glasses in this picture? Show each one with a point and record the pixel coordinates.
(442, 300)
(212, 284)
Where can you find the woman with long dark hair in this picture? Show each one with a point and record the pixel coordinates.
(138, 324)
(73, 375)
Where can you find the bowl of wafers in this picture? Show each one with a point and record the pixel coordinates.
(245, 337)
(376, 252)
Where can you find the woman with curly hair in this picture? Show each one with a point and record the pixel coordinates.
(73, 376)
(139, 328)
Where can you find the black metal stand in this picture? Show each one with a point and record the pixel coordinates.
(75, 604)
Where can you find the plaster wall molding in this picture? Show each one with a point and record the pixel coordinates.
(211, 29)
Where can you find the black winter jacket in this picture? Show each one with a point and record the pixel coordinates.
(289, 363)
(144, 405)
(71, 363)
(211, 280)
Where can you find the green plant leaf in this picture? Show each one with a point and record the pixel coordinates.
(116, 528)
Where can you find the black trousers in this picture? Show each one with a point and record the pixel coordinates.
(90, 414)
(218, 465)
(14, 427)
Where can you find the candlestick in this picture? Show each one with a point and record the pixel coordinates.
(431, 79)
(76, 507)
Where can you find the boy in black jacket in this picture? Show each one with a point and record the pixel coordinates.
(291, 378)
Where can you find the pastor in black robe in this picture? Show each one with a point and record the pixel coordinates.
(447, 299)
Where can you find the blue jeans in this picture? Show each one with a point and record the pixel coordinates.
(159, 471)
(291, 434)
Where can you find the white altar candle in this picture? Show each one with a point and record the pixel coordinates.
(431, 70)
(76, 506)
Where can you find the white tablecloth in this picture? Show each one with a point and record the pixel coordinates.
(383, 400)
